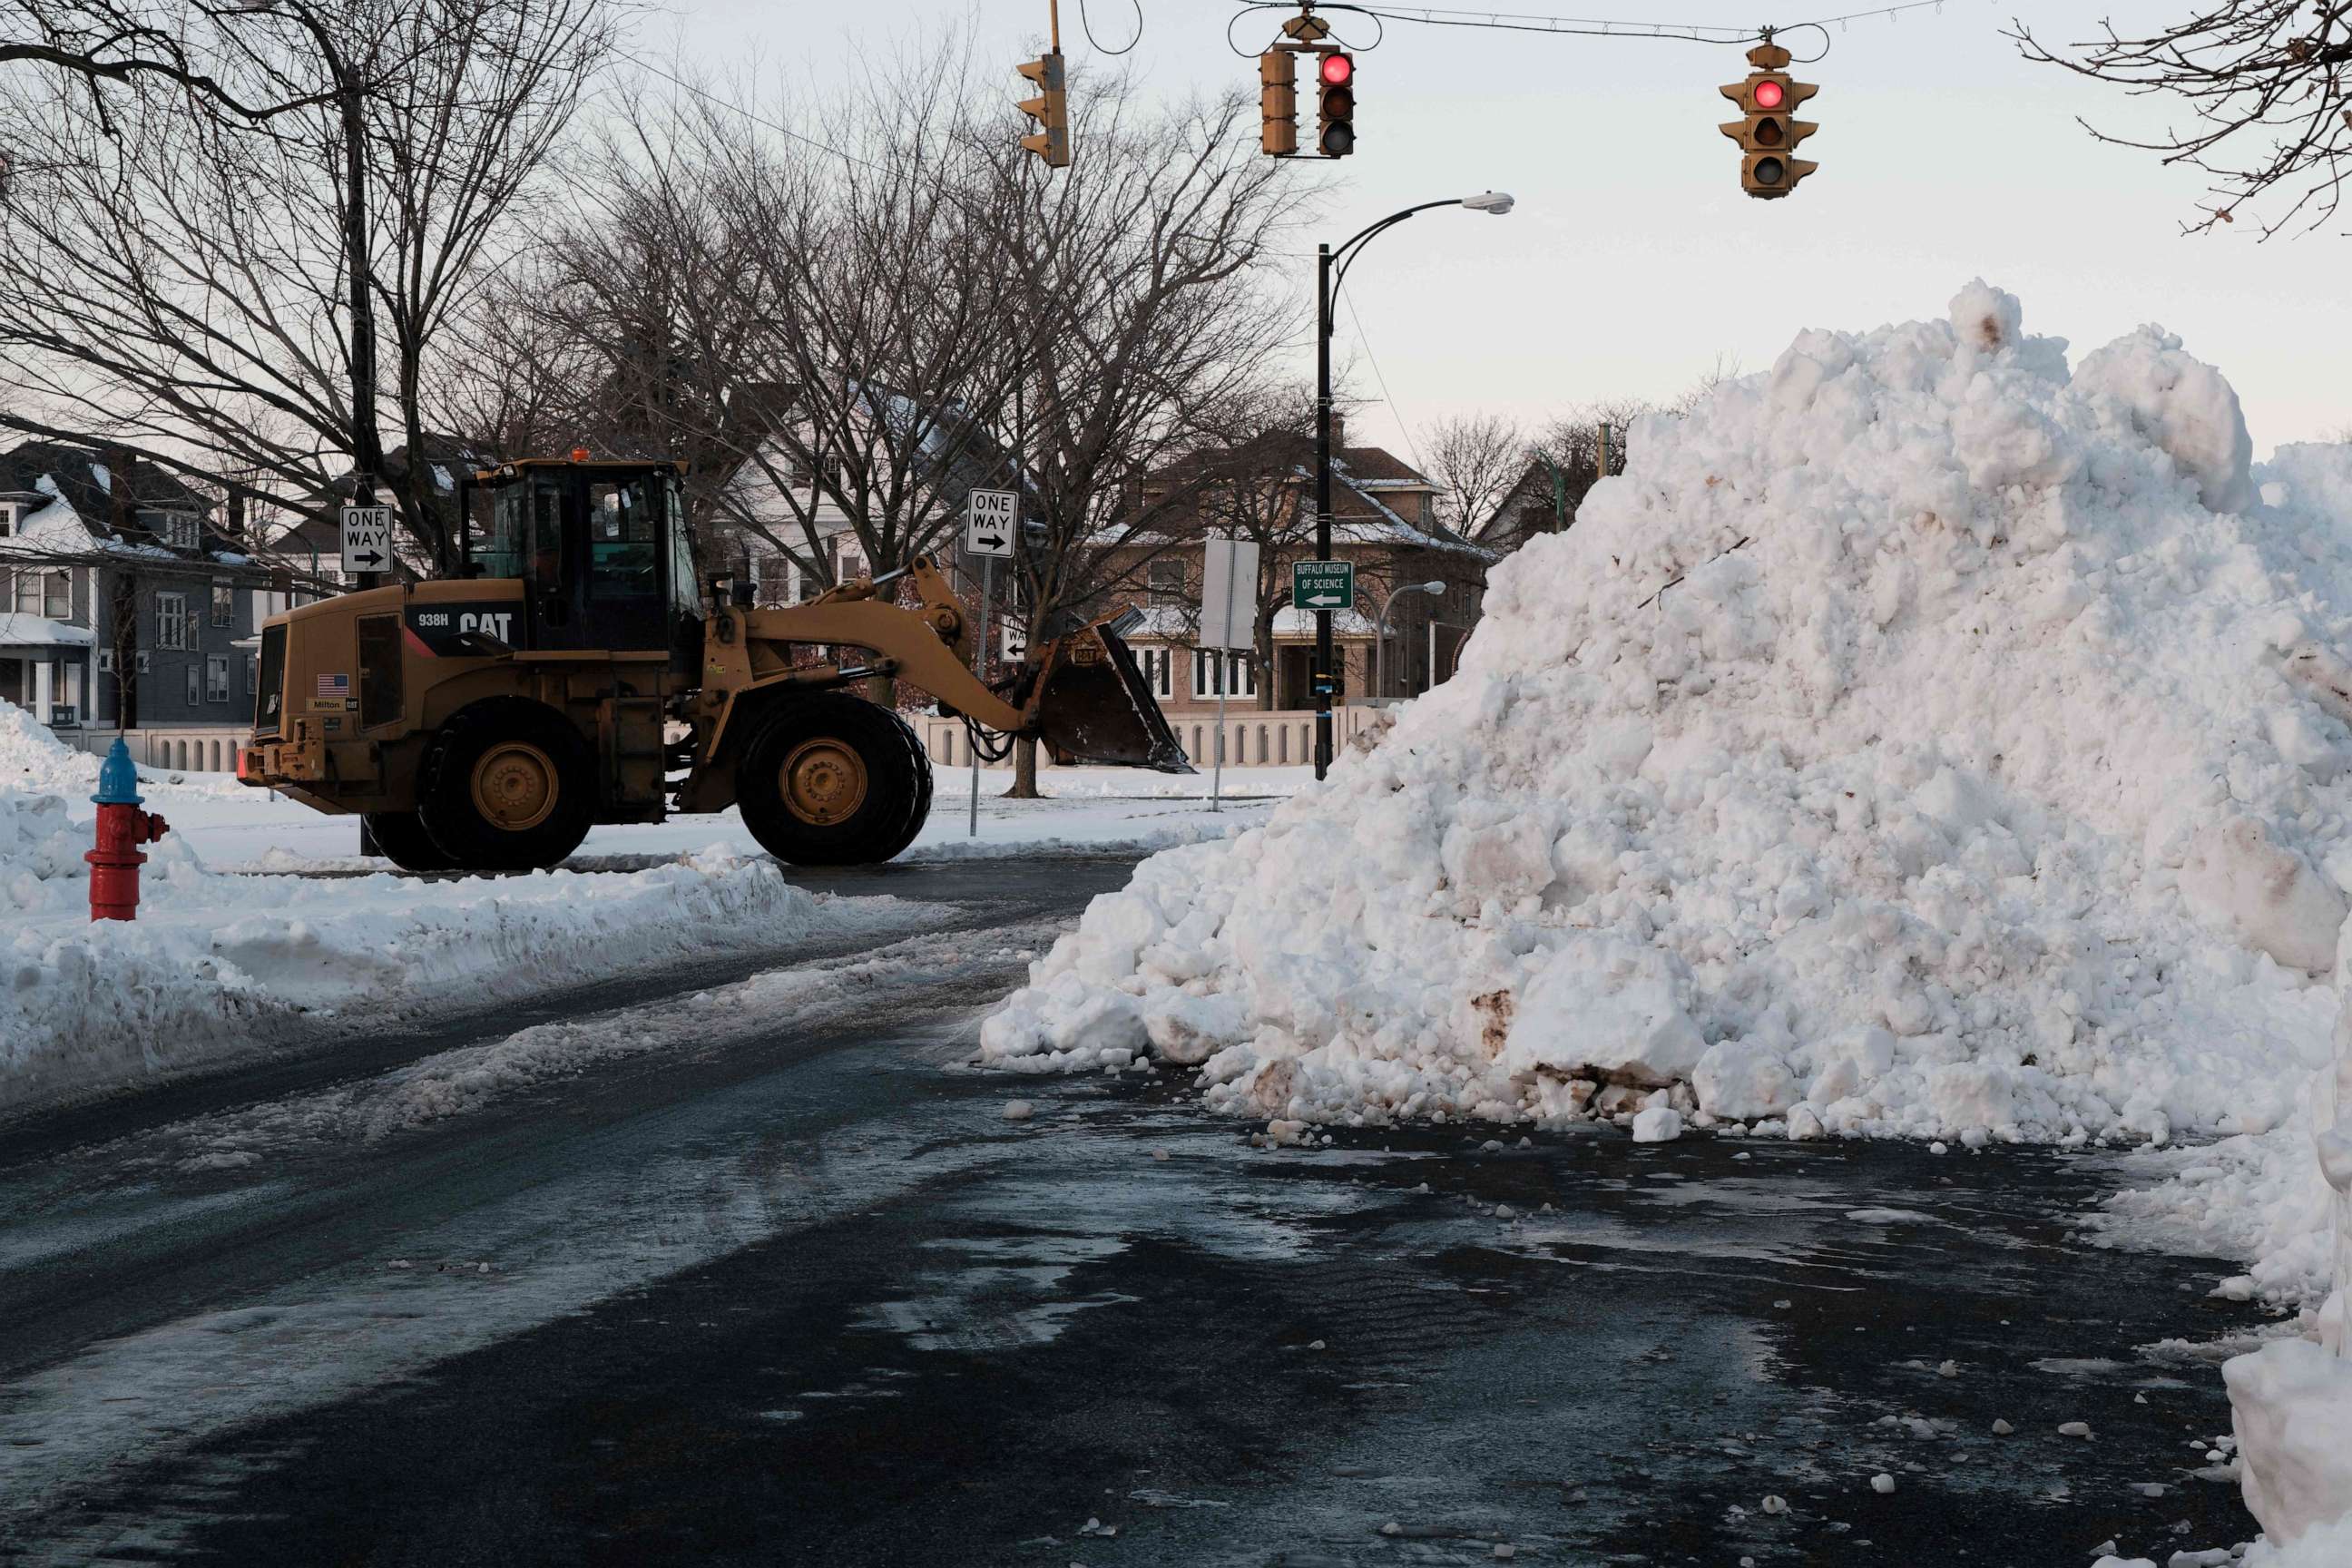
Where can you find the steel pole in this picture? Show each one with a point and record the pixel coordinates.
(1322, 502)
(1217, 769)
(980, 669)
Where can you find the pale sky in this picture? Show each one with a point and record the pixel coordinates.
(1634, 258)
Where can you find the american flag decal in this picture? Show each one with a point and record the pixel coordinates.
(334, 686)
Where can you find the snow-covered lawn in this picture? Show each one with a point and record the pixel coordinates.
(232, 828)
(235, 948)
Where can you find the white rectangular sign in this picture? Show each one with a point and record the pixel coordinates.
(367, 538)
(1015, 640)
(1229, 593)
(989, 521)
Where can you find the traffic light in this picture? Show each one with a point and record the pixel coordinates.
(1770, 132)
(1335, 77)
(1050, 109)
(1278, 96)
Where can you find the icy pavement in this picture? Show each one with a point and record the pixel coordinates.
(833, 1306)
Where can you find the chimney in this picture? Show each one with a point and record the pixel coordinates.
(235, 527)
(1339, 431)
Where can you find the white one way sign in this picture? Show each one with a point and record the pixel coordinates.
(989, 523)
(367, 538)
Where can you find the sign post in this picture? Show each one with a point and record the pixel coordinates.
(367, 540)
(1323, 587)
(1228, 621)
(990, 518)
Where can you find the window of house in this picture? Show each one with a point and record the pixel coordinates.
(26, 592)
(1165, 581)
(56, 595)
(224, 602)
(776, 580)
(172, 626)
(252, 678)
(177, 530)
(7, 520)
(196, 694)
(1159, 670)
(1211, 667)
(851, 568)
(216, 677)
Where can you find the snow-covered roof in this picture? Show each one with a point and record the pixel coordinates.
(20, 630)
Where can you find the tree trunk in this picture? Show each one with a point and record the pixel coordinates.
(1025, 770)
(125, 630)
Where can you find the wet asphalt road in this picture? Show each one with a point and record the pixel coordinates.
(793, 1290)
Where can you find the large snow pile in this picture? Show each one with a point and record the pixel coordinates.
(1917, 738)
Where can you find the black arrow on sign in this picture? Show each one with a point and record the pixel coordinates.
(370, 558)
(990, 541)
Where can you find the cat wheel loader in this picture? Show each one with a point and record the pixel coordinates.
(576, 674)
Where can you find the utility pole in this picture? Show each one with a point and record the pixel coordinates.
(1321, 679)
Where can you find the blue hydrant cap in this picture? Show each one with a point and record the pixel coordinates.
(118, 781)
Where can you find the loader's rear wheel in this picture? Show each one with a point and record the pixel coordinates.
(834, 780)
(506, 787)
(403, 840)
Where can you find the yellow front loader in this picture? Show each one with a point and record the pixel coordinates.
(576, 676)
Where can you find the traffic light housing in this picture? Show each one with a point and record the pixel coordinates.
(1278, 95)
(1770, 133)
(1335, 82)
(1050, 109)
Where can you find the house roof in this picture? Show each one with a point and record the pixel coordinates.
(84, 478)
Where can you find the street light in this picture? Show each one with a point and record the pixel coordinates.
(1327, 283)
(1380, 646)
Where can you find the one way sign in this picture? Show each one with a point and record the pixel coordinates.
(988, 524)
(367, 538)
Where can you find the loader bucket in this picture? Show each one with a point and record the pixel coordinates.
(1092, 705)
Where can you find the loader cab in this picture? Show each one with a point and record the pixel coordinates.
(600, 549)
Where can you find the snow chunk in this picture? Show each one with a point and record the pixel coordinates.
(2291, 1407)
(2184, 407)
(1658, 1124)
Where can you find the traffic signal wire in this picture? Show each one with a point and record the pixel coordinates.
(1587, 26)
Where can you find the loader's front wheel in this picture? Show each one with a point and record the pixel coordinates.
(834, 780)
(505, 787)
(403, 840)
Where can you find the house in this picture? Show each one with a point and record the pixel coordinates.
(1543, 499)
(126, 605)
(1383, 520)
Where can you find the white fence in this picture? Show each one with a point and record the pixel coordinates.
(1253, 739)
(184, 748)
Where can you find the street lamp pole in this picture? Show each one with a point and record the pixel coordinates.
(1332, 264)
(1380, 643)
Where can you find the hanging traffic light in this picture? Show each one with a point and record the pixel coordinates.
(1769, 132)
(1278, 96)
(1050, 109)
(1335, 77)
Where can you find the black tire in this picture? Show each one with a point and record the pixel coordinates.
(507, 785)
(860, 784)
(401, 839)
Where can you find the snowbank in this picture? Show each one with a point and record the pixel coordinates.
(216, 965)
(1917, 738)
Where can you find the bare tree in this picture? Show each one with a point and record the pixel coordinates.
(2267, 89)
(1142, 304)
(1474, 458)
(179, 285)
(105, 43)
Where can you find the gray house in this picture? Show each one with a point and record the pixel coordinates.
(126, 606)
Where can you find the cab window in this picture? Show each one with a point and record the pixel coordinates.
(624, 538)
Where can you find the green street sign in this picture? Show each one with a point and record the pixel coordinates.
(1323, 584)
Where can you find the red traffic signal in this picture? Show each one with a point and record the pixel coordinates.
(1334, 69)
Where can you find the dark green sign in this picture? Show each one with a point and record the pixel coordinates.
(1323, 584)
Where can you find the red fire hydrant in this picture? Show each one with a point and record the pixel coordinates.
(122, 828)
